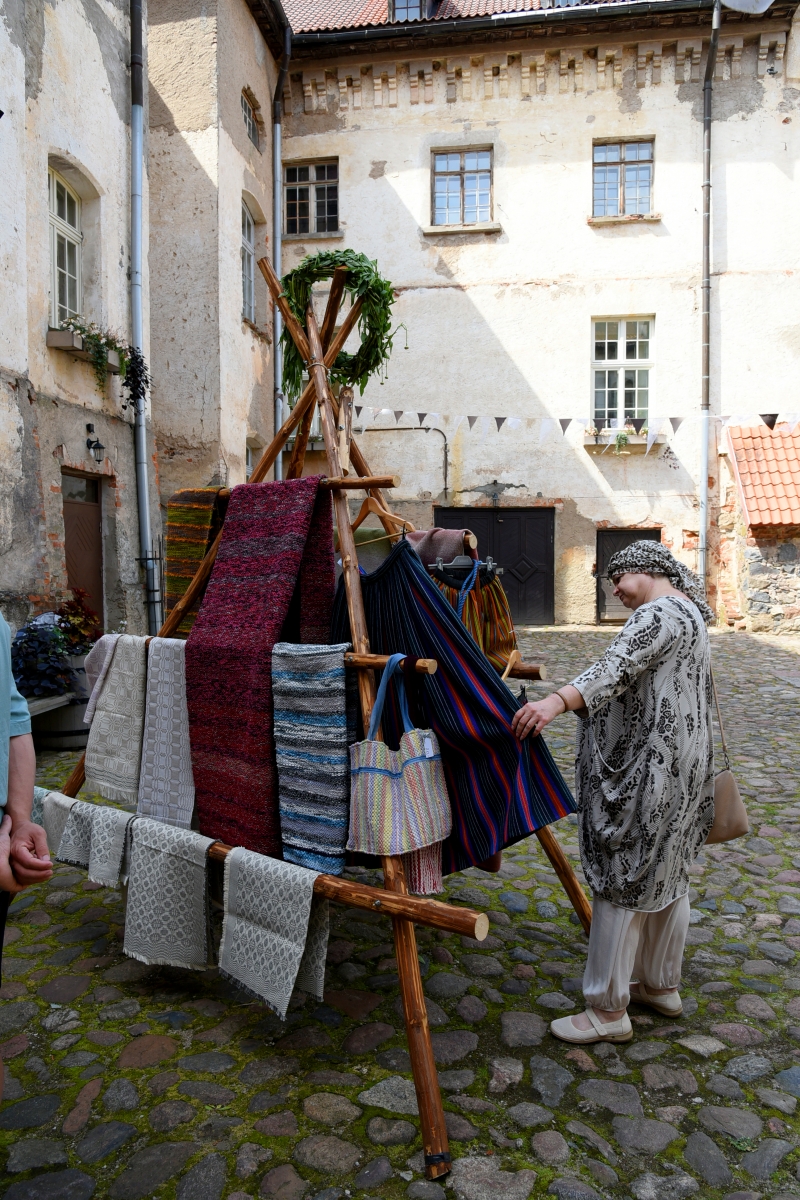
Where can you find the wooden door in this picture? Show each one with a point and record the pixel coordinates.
(521, 541)
(609, 541)
(83, 537)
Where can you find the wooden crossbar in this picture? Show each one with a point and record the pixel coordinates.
(319, 350)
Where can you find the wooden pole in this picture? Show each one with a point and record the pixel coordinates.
(565, 873)
(425, 666)
(426, 1081)
(368, 483)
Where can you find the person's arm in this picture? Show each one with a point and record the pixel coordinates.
(30, 858)
(532, 717)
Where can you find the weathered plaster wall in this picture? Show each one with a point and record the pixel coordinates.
(212, 386)
(499, 323)
(66, 93)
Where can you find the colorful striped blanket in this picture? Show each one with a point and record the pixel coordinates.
(194, 518)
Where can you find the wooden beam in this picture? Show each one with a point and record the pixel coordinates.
(564, 871)
(298, 458)
(289, 319)
(368, 483)
(333, 306)
(425, 666)
(524, 670)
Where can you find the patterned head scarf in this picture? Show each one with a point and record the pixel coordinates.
(651, 558)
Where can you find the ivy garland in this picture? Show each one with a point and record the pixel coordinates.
(98, 342)
(374, 323)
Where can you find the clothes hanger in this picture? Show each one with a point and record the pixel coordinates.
(513, 658)
(371, 505)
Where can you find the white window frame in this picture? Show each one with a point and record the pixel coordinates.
(468, 185)
(611, 416)
(250, 122)
(60, 229)
(624, 166)
(248, 254)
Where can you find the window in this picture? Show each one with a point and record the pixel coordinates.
(249, 462)
(408, 10)
(65, 250)
(462, 187)
(312, 198)
(621, 391)
(250, 122)
(248, 265)
(622, 179)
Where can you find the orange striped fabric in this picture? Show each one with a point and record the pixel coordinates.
(487, 617)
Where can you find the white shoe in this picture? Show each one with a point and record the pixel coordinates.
(669, 1004)
(601, 1031)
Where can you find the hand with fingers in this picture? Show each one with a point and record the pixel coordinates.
(29, 855)
(7, 881)
(535, 715)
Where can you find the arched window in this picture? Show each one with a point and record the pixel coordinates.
(248, 264)
(65, 250)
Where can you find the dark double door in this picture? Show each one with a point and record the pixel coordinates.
(521, 541)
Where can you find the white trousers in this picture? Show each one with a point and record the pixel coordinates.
(625, 946)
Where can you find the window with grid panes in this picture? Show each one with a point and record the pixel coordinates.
(622, 179)
(622, 366)
(65, 250)
(312, 198)
(462, 187)
(248, 265)
(408, 10)
(250, 122)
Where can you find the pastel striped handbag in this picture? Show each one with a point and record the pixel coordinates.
(398, 798)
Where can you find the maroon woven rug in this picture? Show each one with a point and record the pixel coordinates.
(276, 555)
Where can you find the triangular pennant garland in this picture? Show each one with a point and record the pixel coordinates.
(769, 419)
(422, 417)
(637, 423)
(564, 422)
(357, 409)
(472, 421)
(514, 423)
(500, 421)
(654, 426)
(546, 425)
(398, 412)
(676, 423)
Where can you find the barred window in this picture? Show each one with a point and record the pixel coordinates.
(622, 179)
(462, 187)
(622, 367)
(312, 197)
(65, 250)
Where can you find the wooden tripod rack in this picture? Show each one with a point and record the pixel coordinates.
(319, 349)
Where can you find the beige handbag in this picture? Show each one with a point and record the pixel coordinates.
(730, 814)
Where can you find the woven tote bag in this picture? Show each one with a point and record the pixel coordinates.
(398, 798)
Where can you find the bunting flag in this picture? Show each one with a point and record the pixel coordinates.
(398, 412)
(545, 427)
(564, 422)
(769, 419)
(472, 421)
(638, 423)
(499, 421)
(676, 423)
(514, 423)
(421, 416)
(654, 427)
(357, 409)
(790, 421)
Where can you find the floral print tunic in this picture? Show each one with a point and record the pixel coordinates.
(644, 769)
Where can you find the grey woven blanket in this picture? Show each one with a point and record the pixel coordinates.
(166, 784)
(310, 723)
(275, 932)
(55, 810)
(94, 837)
(98, 660)
(167, 915)
(114, 752)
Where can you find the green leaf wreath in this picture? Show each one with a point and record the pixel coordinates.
(374, 323)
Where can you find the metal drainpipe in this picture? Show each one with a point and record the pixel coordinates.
(277, 227)
(152, 585)
(705, 401)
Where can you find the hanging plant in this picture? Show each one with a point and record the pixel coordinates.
(98, 342)
(39, 659)
(137, 378)
(620, 442)
(374, 324)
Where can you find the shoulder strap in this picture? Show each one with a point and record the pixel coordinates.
(719, 722)
(377, 711)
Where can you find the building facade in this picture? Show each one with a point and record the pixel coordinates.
(530, 182)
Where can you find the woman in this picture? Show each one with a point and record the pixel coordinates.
(644, 785)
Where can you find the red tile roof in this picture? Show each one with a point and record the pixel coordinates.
(767, 466)
(306, 16)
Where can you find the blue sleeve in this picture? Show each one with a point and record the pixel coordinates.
(20, 717)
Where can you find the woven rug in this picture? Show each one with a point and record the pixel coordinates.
(274, 571)
(166, 784)
(55, 811)
(98, 660)
(501, 790)
(310, 726)
(274, 932)
(113, 754)
(76, 841)
(166, 921)
(194, 518)
(94, 838)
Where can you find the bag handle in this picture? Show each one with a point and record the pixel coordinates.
(377, 711)
(719, 722)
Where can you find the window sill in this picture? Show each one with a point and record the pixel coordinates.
(650, 219)
(64, 339)
(261, 334)
(313, 237)
(636, 444)
(481, 227)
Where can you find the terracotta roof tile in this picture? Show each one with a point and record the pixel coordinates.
(306, 16)
(767, 466)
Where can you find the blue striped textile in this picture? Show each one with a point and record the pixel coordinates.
(501, 790)
(311, 750)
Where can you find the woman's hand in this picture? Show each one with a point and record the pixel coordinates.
(30, 857)
(533, 717)
(7, 881)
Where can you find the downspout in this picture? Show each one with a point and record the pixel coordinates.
(277, 224)
(705, 400)
(152, 585)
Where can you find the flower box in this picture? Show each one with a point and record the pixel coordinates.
(65, 339)
(604, 442)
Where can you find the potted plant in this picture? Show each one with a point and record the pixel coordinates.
(39, 659)
(81, 628)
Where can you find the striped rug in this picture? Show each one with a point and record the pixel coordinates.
(310, 724)
(501, 789)
(194, 518)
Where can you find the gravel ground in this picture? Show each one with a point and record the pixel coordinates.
(126, 1081)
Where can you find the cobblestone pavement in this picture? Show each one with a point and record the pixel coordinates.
(127, 1082)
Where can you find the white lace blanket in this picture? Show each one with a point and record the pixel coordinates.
(55, 810)
(167, 915)
(98, 660)
(94, 837)
(166, 784)
(114, 752)
(274, 933)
